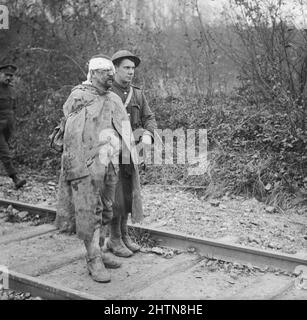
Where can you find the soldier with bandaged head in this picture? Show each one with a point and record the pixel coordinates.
(97, 138)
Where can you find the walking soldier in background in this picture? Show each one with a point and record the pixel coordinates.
(140, 116)
(97, 137)
(7, 106)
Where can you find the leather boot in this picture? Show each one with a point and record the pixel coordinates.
(115, 243)
(17, 181)
(97, 270)
(95, 265)
(102, 236)
(109, 261)
(107, 258)
(132, 246)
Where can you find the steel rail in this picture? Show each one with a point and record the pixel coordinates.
(225, 251)
(204, 246)
(44, 289)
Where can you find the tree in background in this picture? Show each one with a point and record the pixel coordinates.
(241, 75)
(269, 50)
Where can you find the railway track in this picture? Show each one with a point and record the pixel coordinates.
(49, 264)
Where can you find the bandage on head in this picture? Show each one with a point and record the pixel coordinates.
(101, 64)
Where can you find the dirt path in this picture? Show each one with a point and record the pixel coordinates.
(232, 219)
(59, 259)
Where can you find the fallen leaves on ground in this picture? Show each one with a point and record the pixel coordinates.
(236, 219)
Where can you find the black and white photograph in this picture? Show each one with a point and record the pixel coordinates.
(153, 153)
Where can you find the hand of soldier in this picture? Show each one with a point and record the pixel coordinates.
(2, 77)
(142, 166)
(146, 138)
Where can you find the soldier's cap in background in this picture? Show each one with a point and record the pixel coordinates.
(8, 68)
(100, 55)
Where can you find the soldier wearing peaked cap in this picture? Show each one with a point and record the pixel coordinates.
(125, 54)
(8, 69)
(143, 119)
(7, 106)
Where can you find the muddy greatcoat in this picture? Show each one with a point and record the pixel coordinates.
(88, 109)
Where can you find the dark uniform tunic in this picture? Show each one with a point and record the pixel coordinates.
(140, 117)
(138, 109)
(7, 106)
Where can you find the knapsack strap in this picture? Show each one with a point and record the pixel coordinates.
(129, 97)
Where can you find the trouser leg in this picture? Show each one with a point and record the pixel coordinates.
(107, 194)
(127, 199)
(65, 211)
(115, 230)
(5, 155)
(93, 202)
(95, 265)
(6, 158)
(88, 207)
(92, 246)
(108, 197)
(115, 242)
(131, 245)
(91, 216)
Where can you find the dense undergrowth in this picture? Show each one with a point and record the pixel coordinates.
(252, 150)
(256, 133)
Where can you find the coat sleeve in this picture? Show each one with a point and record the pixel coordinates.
(15, 103)
(73, 103)
(147, 116)
(15, 99)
